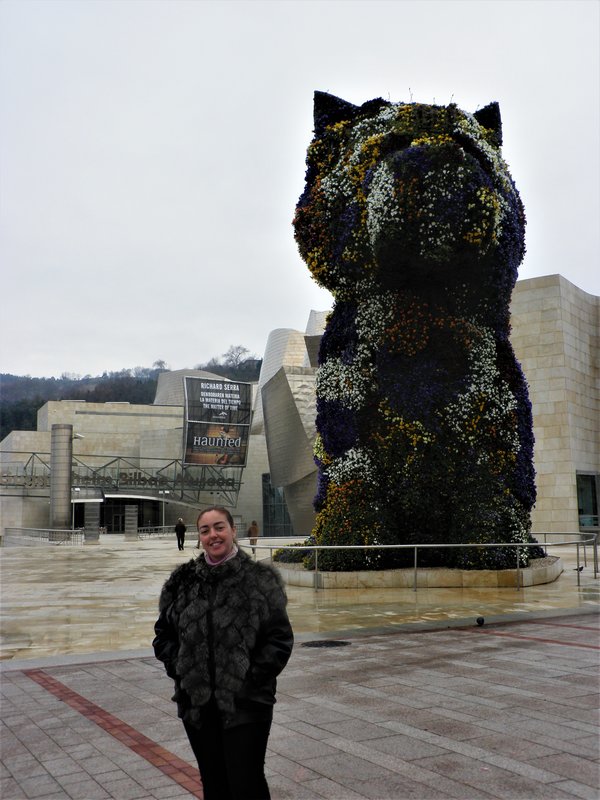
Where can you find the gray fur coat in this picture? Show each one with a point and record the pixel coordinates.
(223, 634)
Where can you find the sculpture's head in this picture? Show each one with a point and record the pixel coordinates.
(406, 195)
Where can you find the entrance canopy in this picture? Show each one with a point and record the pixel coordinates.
(95, 476)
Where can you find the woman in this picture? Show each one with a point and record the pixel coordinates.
(223, 634)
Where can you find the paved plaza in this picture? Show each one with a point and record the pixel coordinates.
(389, 694)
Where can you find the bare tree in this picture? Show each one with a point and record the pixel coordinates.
(235, 355)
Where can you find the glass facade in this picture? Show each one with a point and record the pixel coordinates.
(112, 513)
(587, 498)
(276, 520)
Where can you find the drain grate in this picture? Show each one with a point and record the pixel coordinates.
(325, 643)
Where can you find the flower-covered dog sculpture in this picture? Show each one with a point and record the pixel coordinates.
(411, 220)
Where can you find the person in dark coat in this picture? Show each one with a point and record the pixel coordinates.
(180, 530)
(224, 636)
(253, 535)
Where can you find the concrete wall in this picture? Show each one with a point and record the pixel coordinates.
(17, 511)
(556, 332)
(121, 418)
(161, 444)
(24, 442)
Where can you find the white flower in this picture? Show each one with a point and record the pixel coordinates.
(373, 316)
(349, 383)
(488, 399)
(382, 209)
(355, 464)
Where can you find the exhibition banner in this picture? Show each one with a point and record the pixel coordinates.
(217, 422)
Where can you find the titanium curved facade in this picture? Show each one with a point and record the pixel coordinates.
(285, 412)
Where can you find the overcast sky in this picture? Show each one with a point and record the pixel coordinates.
(152, 154)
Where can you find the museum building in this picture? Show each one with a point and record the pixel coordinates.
(126, 460)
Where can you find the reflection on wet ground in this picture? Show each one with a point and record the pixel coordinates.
(61, 600)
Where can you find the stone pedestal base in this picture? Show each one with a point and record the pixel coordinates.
(542, 570)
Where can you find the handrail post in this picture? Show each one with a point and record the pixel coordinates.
(595, 551)
(578, 567)
(316, 568)
(518, 569)
(415, 578)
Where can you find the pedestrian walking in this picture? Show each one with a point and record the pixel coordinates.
(253, 535)
(180, 530)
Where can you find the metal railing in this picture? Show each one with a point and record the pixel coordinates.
(156, 532)
(36, 536)
(578, 540)
(581, 541)
(188, 484)
(25, 536)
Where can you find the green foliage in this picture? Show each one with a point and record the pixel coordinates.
(351, 517)
(119, 388)
(431, 557)
(294, 556)
(20, 415)
(23, 396)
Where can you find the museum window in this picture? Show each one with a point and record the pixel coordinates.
(587, 498)
(276, 520)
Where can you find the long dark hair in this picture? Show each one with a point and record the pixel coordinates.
(221, 510)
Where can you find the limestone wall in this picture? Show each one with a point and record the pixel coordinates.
(118, 418)
(556, 338)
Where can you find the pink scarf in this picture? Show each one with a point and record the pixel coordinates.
(233, 552)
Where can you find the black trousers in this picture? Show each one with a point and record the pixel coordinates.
(231, 760)
(180, 540)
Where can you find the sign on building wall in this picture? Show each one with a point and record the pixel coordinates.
(217, 422)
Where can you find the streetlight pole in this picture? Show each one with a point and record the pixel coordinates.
(163, 492)
(76, 490)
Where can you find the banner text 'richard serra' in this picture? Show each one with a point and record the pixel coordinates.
(217, 422)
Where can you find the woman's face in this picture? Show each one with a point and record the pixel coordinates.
(216, 534)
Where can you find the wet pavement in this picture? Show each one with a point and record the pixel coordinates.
(418, 702)
(94, 598)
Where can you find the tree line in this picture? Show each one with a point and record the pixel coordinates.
(21, 396)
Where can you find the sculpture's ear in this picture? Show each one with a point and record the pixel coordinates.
(329, 109)
(489, 117)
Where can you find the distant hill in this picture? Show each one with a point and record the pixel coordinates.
(22, 396)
